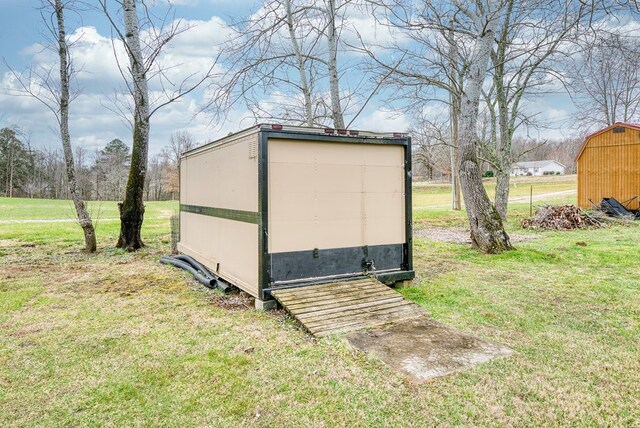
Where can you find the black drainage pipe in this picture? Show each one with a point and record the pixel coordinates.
(222, 285)
(199, 272)
(196, 264)
(207, 282)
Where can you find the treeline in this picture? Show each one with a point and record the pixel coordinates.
(102, 174)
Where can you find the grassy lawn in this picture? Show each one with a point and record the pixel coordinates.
(431, 202)
(48, 221)
(115, 339)
(438, 195)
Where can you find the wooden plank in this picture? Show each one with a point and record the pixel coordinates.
(327, 293)
(346, 306)
(337, 303)
(353, 305)
(330, 300)
(310, 289)
(333, 288)
(363, 289)
(392, 313)
(361, 313)
(331, 291)
(374, 308)
(355, 312)
(375, 322)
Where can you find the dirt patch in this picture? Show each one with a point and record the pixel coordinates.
(233, 302)
(424, 348)
(459, 235)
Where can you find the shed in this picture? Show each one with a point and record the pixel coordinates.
(274, 207)
(608, 165)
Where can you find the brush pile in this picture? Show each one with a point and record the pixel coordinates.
(560, 217)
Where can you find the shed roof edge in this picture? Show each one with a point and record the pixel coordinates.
(608, 128)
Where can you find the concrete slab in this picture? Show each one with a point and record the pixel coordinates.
(424, 348)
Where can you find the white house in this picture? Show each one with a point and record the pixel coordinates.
(543, 167)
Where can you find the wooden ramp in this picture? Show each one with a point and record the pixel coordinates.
(340, 307)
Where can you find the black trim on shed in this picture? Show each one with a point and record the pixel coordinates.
(266, 278)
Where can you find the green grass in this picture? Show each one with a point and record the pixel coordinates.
(46, 221)
(57, 209)
(115, 339)
(431, 202)
(438, 195)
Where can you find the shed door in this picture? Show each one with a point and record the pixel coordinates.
(332, 205)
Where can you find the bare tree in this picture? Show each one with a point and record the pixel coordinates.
(431, 144)
(330, 12)
(55, 94)
(144, 66)
(487, 230)
(606, 80)
(63, 102)
(111, 167)
(35, 180)
(271, 51)
(301, 64)
(288, 50)
(179, 143)
(532, 36)
(450, 56)
(431, 69)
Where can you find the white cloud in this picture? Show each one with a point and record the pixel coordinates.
(362, 28)
(203, 37)
(384, 120)
(188, 56)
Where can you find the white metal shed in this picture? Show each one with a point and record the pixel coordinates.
(277, 206)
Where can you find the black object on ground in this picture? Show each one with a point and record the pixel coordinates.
(199, 272)
(614, 208)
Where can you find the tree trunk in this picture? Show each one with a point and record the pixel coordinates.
(503, 170)
(454, 110)
(334, 87)
(132, 208)
(10, 179)
(455, 157)
(83, 215)
(502, 193)
(487, 230)
(506, 126)
(301, 64)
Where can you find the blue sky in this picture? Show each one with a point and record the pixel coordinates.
(93, 124)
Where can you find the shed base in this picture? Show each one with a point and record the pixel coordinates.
(403, 284)
(266, 305)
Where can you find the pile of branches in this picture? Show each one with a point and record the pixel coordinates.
(560, 217)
